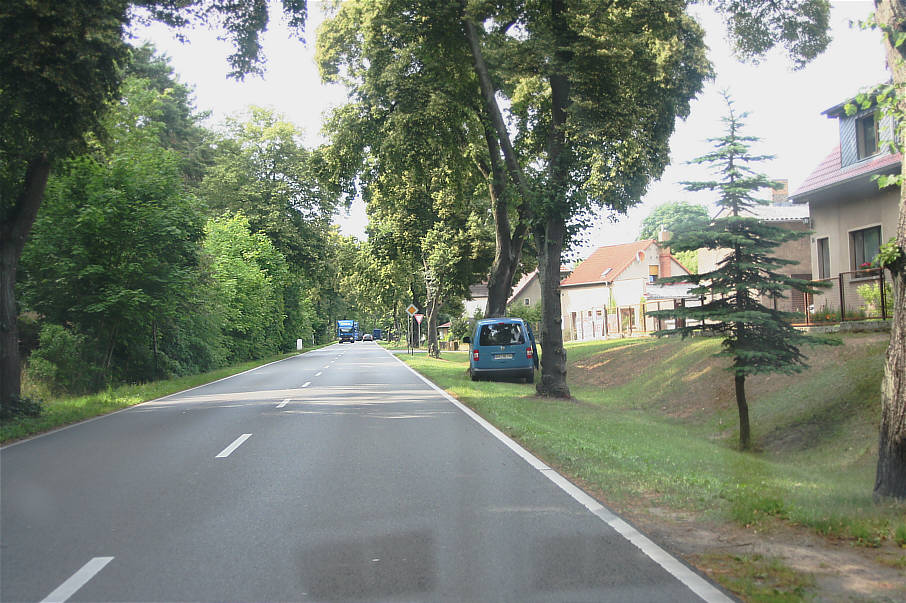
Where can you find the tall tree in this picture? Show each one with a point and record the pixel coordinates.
(759, 339)
(675, 217)
(594, 92)
(60, 63)
(890, 480)
(113, 281)
(394, 54)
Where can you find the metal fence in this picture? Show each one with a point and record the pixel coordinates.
(860, 294)
(856, 295)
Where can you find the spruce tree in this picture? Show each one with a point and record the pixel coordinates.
(759, 339)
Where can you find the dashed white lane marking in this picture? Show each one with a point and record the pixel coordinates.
(284, 403)
(236, 444)
(306, 384)
(701, 587)
(319, 373)
(77, 580)
(326, 366)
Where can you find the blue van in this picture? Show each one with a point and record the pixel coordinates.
(502, 347)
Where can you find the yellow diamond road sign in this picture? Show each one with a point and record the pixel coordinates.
(411, 310)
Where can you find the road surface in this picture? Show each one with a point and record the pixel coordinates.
(335, 475)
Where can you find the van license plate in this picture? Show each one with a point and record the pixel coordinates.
(503, 356)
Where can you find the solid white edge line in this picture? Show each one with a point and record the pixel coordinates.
(284, 403)
(236, 444)
(77, 580)
(116, 412)
(676, 568)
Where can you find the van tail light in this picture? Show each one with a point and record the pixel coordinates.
(528, 352)
(475, 355)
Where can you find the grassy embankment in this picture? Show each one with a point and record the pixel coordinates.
(60, 411)
(653, 424)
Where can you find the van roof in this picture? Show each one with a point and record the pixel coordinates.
(485, 321)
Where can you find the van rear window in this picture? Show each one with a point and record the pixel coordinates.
(504, 333)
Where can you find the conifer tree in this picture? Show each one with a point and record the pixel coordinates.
(758, 338)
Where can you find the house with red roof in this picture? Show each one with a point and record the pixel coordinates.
(850, 216)
(605, 295)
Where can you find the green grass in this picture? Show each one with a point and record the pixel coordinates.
(663, 433)
(759, 578)
(63, 411)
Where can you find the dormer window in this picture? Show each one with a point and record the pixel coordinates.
(867, 135)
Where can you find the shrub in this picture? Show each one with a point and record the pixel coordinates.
(63, 361)
(20, 406)
(871, 293)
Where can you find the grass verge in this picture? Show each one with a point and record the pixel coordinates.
(64, 411)
(652, 427)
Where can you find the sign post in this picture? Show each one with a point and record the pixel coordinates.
(418, 318)
(411, 311)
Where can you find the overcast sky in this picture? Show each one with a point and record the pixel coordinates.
(784, 106)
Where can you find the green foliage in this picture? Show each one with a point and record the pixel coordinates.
(55, 81)
(460, 327)
(66, 361)
(871, 293)
(688, 258)
(758, 338)
(249, 274)
(531, 314)
(676, 217)
(757, 26)
(125, 237)
(890, 256)
(20, 406)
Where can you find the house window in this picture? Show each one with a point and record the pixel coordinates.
(652, 273)
(867, 135)
(823, 258)
(527, 301)
(865, 245)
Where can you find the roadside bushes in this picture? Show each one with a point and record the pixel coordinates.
(64, 361)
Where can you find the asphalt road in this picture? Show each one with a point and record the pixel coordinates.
(336, 475)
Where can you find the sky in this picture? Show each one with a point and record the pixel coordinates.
(784, 106)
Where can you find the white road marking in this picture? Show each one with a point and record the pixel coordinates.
(236, 444)
(327, 366)
(77, 580)
(282, 404)
(319, 373)
(700, 586)
(306, 384)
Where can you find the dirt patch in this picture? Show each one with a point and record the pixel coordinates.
(841, 571)
(837, 570)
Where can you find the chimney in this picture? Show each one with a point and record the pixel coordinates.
(663, 255)
(780, 195)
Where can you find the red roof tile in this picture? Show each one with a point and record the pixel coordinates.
(829, 171)
(614, 257)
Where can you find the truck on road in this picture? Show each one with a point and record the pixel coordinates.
(346, 330)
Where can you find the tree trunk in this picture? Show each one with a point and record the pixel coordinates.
(13, 234)
(508, 245)
(743, 407)
(553, 356)
(433, 346)
(890, 480)
(551, 236)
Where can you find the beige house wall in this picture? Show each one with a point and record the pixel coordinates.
(837, 219)
(532, 293)
(799, 250)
